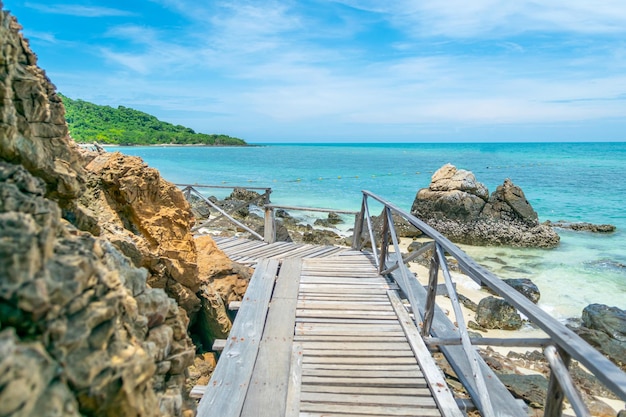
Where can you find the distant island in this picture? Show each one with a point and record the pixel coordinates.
(124, 126)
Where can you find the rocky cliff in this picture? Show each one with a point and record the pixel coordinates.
(460, 207)
(100, 275)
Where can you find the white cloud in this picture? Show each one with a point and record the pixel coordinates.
(78, 10)
(271, 65)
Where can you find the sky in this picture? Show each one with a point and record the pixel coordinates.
(345, 70)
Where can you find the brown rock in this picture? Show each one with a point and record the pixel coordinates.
(459, 207)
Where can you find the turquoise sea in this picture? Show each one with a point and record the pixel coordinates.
(562, 181)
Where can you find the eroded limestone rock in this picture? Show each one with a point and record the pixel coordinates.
(79, 323)
(460, 207)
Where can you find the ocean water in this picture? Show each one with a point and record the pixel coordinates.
(562, 181)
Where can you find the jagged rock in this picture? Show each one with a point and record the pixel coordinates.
(145, 217)
(525, 287)
(241, 194)
(222, 281)
(509, 203)
(322, 237)
(199, 208)
(460, 207)
(332, 220)
(604, 328)
(531, 388)
(118, 347)
(583, 226)
(79, 316)
(496, 313)
(610, 320)
(33, 131)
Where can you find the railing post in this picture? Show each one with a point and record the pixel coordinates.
(187, 193)
(561, 384)
(269, 234)
(429, 312)
(384, 241)
(266, 200)
(358, 227)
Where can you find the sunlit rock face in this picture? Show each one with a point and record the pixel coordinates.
(460, 207)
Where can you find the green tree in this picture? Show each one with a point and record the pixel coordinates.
(90, 122)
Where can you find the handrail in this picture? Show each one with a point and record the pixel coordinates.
(188, 189)
(270, 217)
(565, 339)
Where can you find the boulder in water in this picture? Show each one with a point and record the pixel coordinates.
(460, 207)
(496, 313)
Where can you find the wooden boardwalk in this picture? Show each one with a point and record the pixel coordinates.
(323, 336)
(248, 252)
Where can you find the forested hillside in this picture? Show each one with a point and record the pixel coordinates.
(90, 122)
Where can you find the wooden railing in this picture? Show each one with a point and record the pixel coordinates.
(561, 345)
(190, 189)
(263, 201)
(270, 217)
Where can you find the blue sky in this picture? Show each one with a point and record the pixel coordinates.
(345, 70)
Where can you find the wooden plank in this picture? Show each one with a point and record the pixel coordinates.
(264, 251)
(353, 330)
(345, 305)
(357, 353)
(321, 252)
(333, 289)
(365, 382)
(357, 321)
(366, 366)
(270, 378)
(347, 389)
(267, 251)
(388, 400)
(197, 391)
(343, 338)
(352, 314)
(396, 346)
(319, 409)
(236, 247)
(362, 373)
(292, 408)
(501, 398)
(358, 360)
(443, 395)
(227, 388)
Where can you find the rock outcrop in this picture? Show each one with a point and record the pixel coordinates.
(460, 207)
(32, 122)
(604, 328)
(100, 273)
(82, 333)
(583, 226)
(496, 313)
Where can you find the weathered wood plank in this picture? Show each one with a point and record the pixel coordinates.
(350, 409)
(227, 388)
(270, 377)
(388, 400)
(343, 338)
(292, 408)
(352, 314)
(361, 373)
(396, 346)
(442, 327)
(365, 382)
(366, 366)
(357, 360)
(433, 374)
(346, 389)
(331, 320)
(357, 353)
(344, 305)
